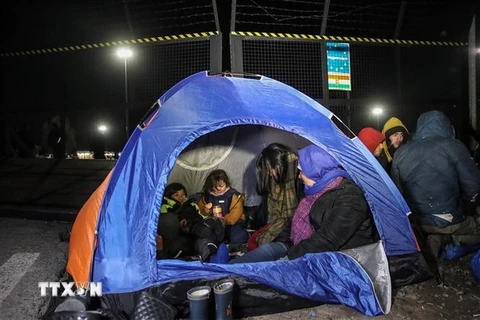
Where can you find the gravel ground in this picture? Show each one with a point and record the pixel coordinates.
(458, 298)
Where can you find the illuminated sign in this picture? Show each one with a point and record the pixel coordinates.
(338, 63)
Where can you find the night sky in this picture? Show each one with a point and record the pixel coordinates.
(38, 87)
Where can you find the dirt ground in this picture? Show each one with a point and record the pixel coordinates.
(458, 298)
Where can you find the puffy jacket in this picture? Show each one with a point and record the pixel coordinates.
(232, 203)
(435, 172)
(341, 219)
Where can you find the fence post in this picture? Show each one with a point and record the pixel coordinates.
(236, 53)
(233, 15)
(216, 54)
(397, 57)
(215, 14)
(472, 81)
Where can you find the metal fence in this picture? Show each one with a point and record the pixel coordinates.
(83, 87)
(405, 78)
(79, 87)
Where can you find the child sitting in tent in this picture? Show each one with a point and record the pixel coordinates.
(226, 203)
(182, 226)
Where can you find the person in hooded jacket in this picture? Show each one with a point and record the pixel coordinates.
(397, 135)
(373, 140)
(439, 181)
(333, 215)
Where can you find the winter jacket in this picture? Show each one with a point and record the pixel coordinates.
(189, 210)
(341, 219)
(436, 173)
(232, 205)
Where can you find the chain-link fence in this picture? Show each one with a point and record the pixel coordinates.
(404, 79)
(82, 89)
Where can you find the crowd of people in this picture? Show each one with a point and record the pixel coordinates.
(330, 213)
(314, 205)
(436, 175)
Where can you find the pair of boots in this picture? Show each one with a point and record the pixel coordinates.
(199, 301)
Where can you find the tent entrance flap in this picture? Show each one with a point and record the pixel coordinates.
(374, 261)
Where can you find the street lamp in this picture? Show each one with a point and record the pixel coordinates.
(377, 111)
(102, 128)
(126, 53)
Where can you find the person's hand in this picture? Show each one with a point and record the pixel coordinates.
(183, 223)
(207, 209)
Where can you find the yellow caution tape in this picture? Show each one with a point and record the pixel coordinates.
(314, 37)
(112, 43)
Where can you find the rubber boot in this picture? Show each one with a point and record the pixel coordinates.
(198, 302)
(223, 299)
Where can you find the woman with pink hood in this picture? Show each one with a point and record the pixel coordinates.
(333, 215)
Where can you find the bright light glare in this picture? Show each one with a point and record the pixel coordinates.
(102, 128)
(377, 111)
(124, 53)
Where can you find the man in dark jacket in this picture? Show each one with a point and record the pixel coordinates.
(439, 181)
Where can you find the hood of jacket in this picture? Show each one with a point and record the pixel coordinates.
(391, 126)
(318, 165)
(371, 138)
(434, 124)
(316, 162)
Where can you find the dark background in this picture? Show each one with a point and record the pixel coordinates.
(89, 84)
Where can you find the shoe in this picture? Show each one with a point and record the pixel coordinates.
(212, 247)
(222, 256)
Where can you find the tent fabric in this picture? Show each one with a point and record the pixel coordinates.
(345, 280)
(125, 259)
(83, 239)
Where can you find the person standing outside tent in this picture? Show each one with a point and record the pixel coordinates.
(439, 181)
(226, 203)
(396, 134)
(373, 140)
(333, 215)
(276, 171)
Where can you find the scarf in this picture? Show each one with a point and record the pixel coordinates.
(322, 183)
(301, 227)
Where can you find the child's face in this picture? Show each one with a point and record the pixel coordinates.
(219, 187)
(180, 196)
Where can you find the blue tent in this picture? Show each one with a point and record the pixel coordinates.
(125, 257)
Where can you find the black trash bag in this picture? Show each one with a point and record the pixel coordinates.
(409, 269)
(149, 307)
